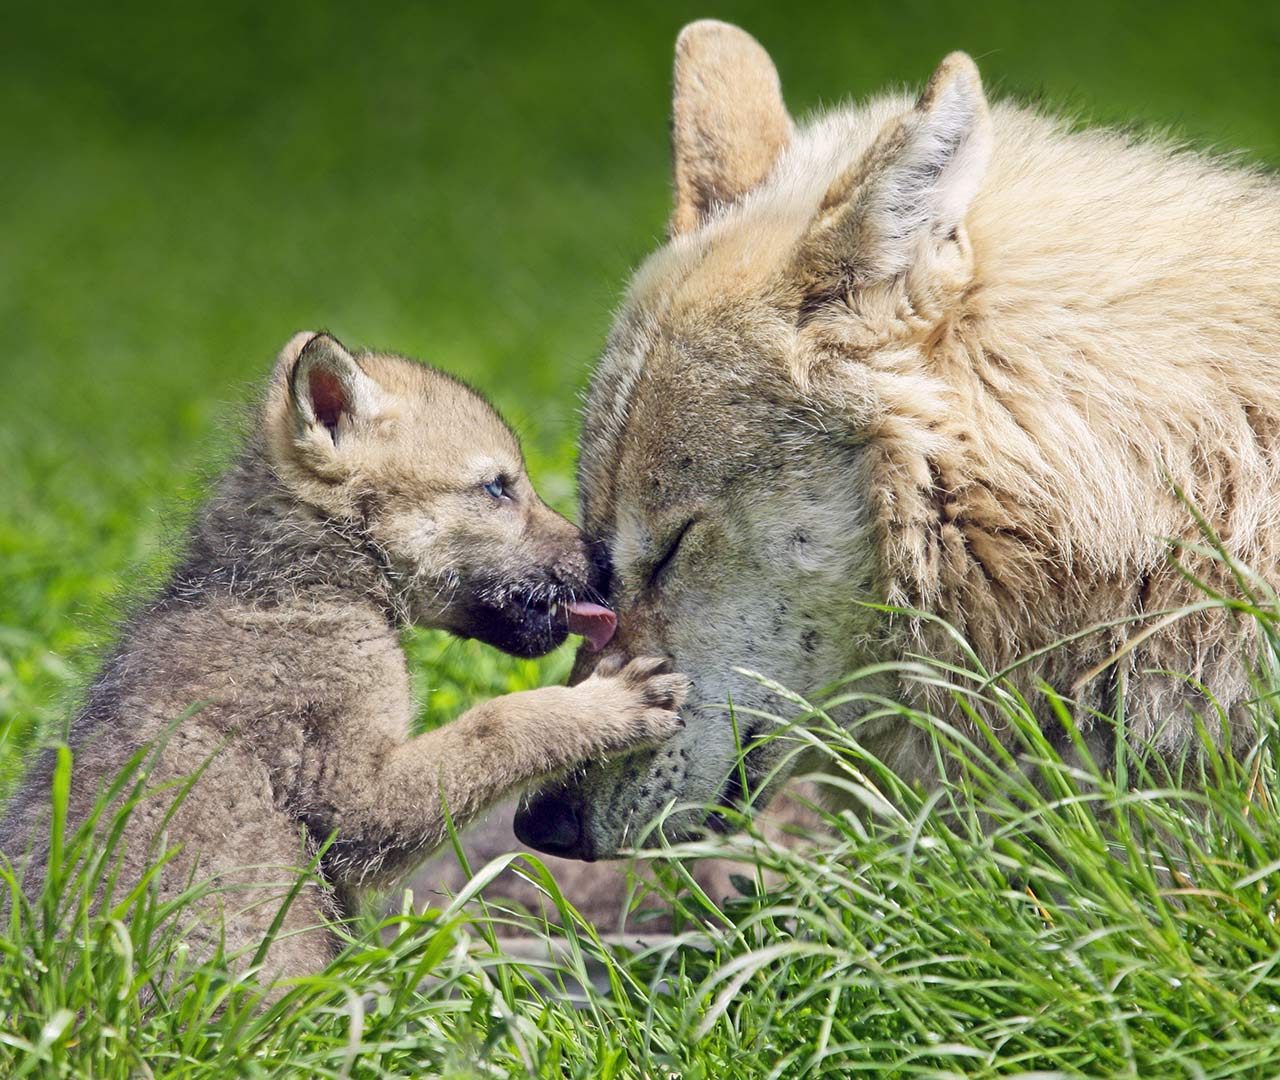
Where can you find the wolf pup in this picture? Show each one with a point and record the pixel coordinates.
(374, 493)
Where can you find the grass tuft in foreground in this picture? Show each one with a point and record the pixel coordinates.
(1034, 915)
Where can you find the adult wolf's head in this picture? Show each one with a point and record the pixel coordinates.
(732, 432)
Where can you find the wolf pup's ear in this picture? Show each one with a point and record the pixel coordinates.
(729, 124)
(911, 192)
(328, 390)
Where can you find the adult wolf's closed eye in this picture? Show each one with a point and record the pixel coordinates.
(668, 553)
(948, 355)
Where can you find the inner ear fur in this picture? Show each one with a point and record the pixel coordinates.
(729, 122)
(328, 389)
(911, 192)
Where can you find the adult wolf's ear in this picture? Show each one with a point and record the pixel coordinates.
(729, 124)
(909, 195)
(327, 391)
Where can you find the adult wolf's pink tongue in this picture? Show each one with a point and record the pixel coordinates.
(594, 622)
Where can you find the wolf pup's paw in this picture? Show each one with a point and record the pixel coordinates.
(639, 701)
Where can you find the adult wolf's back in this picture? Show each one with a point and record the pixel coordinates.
(952, 356)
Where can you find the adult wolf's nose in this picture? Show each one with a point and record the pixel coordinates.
(554, 827)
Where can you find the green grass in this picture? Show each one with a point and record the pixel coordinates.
(182, 190)
(1048, 920)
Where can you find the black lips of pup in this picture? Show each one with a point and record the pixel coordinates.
(524, 622)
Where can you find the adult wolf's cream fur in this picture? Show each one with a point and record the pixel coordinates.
(374, 493)
(945, 354)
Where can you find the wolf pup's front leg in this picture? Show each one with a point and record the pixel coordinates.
(387, 805)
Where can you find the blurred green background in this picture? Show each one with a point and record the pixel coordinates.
(182, 188)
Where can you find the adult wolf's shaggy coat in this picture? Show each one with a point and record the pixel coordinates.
(942, 354)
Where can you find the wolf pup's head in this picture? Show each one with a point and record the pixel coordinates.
(729, 439)
(422, 474)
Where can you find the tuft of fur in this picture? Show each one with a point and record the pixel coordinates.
(358, 506)
(949, 355)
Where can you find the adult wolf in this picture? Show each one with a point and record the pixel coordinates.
(956, 357)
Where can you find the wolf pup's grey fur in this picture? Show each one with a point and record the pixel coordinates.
(954, 356)
(374, 493)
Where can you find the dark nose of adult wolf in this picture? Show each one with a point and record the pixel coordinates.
(553, 826)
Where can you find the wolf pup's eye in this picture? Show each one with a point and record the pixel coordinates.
(497, 487)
